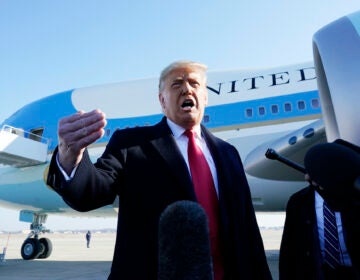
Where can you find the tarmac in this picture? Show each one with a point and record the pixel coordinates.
(71, 259)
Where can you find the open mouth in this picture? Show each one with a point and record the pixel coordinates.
(188, 104)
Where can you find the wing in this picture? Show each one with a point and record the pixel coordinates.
(292, 146)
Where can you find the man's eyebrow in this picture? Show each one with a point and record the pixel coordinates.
(177, 79)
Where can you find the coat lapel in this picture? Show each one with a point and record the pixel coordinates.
(220, 163)
(166, 146)
(213, 146)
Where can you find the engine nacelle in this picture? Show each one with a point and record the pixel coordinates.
(337, 63)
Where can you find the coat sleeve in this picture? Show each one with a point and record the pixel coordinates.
(91, 187)
(287, 258)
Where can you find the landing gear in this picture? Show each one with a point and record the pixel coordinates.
(47, 248)
(33, 247)
(30, 249)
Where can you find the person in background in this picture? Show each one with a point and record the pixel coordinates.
(151, 167)
(322, 226)
(88, 238)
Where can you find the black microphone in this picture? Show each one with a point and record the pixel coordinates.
(272, 154)
(184, 246)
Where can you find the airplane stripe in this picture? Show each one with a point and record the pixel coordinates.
(227, 115)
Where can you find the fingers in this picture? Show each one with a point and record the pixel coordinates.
(76, 132)
(79, 126)
(81, 122)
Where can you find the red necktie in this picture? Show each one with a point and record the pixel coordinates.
(206, 195)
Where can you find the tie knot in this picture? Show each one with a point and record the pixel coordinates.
(189, 133)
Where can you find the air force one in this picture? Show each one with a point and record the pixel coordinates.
(288, 109)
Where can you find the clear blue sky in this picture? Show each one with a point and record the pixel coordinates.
(51, 46)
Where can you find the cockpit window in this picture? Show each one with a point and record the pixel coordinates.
(36, 134)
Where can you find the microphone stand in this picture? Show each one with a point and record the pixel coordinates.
(272, 154)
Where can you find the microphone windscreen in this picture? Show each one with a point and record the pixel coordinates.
(335, 167)
(184, 246)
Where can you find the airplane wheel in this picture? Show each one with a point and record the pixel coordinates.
(30, 249)
(47, 248)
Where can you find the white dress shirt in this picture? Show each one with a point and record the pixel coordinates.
(182, 142)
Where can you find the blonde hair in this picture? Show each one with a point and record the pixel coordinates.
(180, 64)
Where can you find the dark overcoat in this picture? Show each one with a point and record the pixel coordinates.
(145, 169)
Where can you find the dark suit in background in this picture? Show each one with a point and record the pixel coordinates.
(300, 254)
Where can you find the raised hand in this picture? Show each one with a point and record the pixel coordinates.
(75, 133)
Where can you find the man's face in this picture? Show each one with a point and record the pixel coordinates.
(183, 96)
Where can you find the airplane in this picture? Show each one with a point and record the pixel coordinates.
(288, 109)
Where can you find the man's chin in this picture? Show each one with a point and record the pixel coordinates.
(189, 122)
(187, 119)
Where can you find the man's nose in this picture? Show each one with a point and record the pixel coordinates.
(186, 88)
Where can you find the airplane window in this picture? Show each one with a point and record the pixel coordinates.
(206, 118)
(261, 111)
(309, 133)
(36, 134)
(274, 109)
(287, 107)
(301, 105)
(292, 140)
(249, 112)
(315, 103)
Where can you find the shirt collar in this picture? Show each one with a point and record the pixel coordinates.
(318, 200)
(177, 130)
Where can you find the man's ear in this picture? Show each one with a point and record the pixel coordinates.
(162, 101)
(206, 97)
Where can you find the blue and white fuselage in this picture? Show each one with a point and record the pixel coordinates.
(246, 108)
(254, 110)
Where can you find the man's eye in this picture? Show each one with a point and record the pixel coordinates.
(175, 85)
